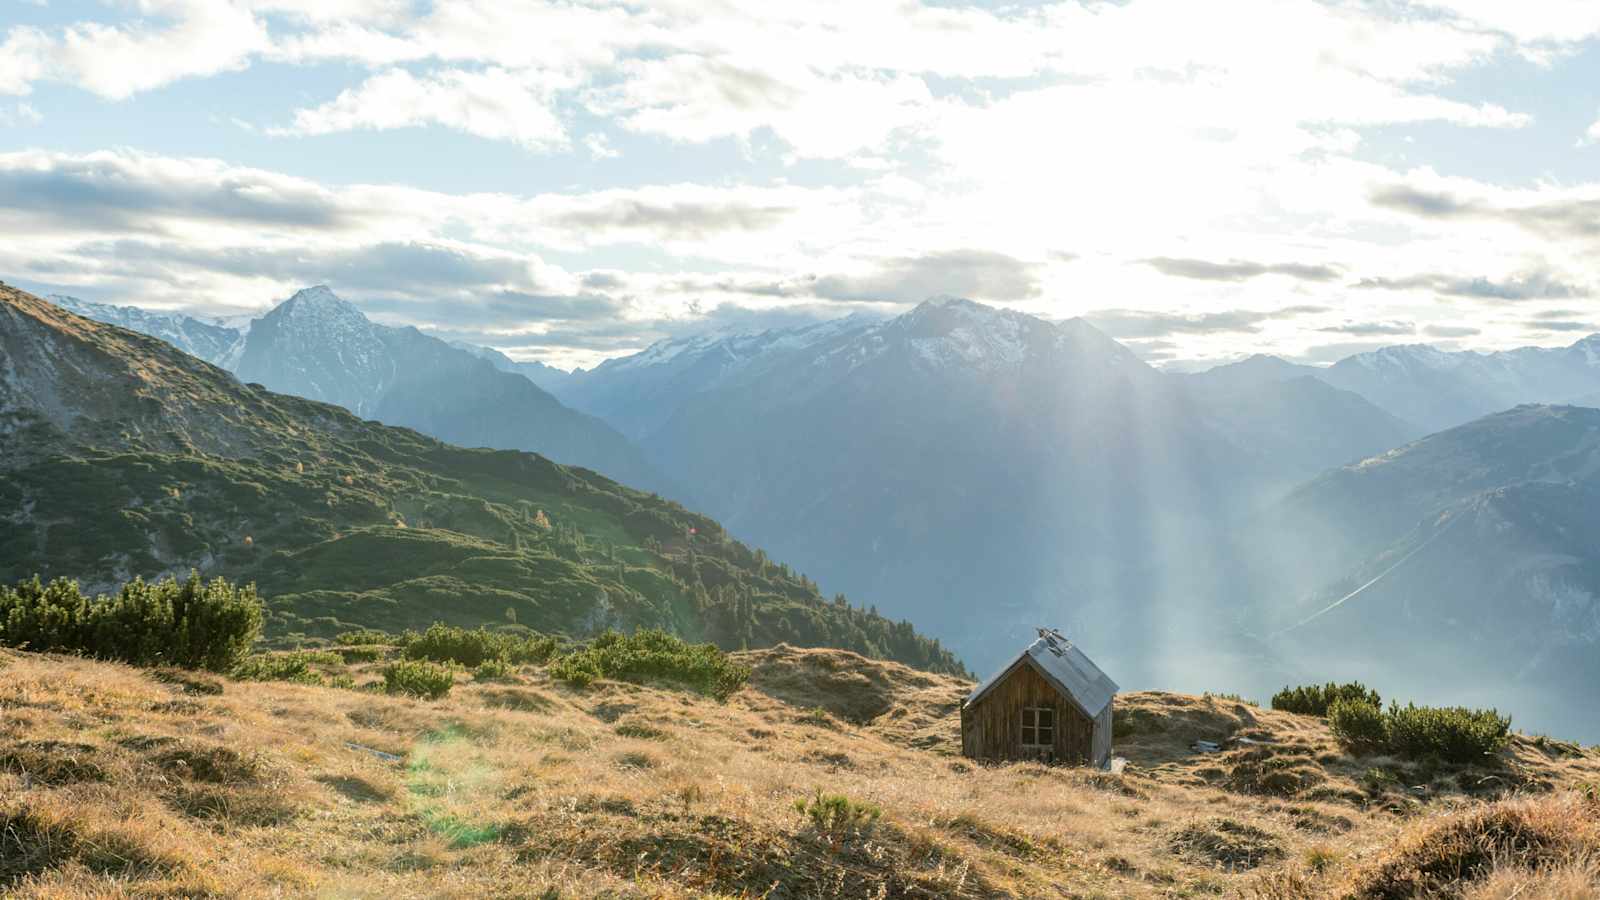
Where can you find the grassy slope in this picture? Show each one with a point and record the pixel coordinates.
(344, 522)
(115, 781)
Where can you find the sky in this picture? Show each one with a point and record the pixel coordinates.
(572, 181)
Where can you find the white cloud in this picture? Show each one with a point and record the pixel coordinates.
(494, 104)
(19, 115)
(173, 39)
(1591, 135)
(1546, 22)
(696, 98)
(204, 37)
(599, 146)
(22, 59)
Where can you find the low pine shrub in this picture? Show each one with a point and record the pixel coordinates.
(418, 678)
(470, 648)
(1358, 725)
(491, 670)
(1451, 734)
(1317, 699)
(835, 815)
(295, 667)
(1454, 734)
(363, 637)
(190, 624)
(653, 655)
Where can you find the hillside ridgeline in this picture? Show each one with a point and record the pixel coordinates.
(125, 457)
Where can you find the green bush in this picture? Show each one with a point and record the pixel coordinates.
(470, 648)
(362, 653)
(835, 814)
(1318, 699)
(363, 637)
(1358, 725)
(418, 678)
(190, 624)
(653, 655)
(491, 669)
(295, 667)
(1454, 734)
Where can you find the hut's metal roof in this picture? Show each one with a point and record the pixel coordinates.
(1064, 666)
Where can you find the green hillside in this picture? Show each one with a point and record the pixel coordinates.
(124, 457)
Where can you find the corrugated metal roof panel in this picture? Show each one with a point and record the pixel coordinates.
(1066, 667)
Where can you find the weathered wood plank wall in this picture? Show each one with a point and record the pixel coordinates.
(992, 727)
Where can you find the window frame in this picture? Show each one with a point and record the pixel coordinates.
(1033, 721)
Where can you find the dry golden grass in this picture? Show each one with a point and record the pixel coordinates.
(116, 782)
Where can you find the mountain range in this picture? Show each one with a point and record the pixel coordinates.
(1438, 389)
(961, 451)
(318, 346)
(127, 457)
(981, 472)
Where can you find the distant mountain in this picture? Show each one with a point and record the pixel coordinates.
(979, 469)
(214, 342)
(1251, 372)
(126, 457)
(640, 393)
(1291, 426)
(1439, 389)
(550, 378)
(318, 346)
(1463, 565)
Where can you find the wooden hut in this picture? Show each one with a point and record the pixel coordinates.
(1050, 703)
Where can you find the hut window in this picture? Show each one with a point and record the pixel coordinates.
(1038, 727)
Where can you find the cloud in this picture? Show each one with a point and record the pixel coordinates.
(494, 103)
(1371, 328)
(1533, 285)
(1558, 325)
(1238, 270)
(1450, 331)
(1566, 217)
(1591, 135)
(1126, 323)
(176, 39)
(409, 269)
(979, 274)
(20, 115)
(136, 193)
(604, 281)
(24, 56)
(697, 97)
(682, 212)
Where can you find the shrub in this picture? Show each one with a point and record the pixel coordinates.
(189, 624)
(491, 669)
(650, 654)
(835, 815)
(1454, 734)
(295, 667)
(447, 643)
(362, 653)
(363, 637)
(1317, 699)
(1358, 725)
(418, 678)
(1230, 698)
